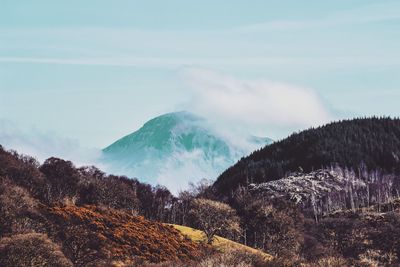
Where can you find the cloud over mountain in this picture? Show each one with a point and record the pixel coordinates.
(253, 103)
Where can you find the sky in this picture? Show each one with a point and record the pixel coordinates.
(85, 73)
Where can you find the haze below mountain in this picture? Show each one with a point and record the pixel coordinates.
(175, 149)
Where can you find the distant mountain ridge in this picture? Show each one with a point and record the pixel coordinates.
(175, 147)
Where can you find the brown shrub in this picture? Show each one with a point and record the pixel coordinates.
(229, 258)
(90, 234)
(330, 262)
(18, 210)
(31, 250)
(375, 258)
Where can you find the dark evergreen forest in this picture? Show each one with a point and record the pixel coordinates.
(366, 144)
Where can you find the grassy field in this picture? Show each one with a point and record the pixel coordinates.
(219, 243)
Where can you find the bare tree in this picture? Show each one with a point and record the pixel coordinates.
(16, 208)
(214, 217)
(201, 188)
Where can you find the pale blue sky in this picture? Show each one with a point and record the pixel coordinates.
(96, 70)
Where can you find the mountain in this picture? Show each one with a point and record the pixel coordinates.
(346, 164)
(175, 148)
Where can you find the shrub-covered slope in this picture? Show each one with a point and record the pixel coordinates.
(90, 234)
(57, 215)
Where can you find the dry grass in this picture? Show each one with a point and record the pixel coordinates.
(219, 243)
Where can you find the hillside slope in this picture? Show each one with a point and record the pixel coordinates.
(220, 243)
(57, 215)
(87, 235)
(115, 236)
(366, 146)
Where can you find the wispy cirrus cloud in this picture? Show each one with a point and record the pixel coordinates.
(377, 12)
(246, 45)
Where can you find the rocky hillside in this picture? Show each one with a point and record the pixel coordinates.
(324, 191)
(361, 156)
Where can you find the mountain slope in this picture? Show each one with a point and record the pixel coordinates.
(173, 149)
(364, 145)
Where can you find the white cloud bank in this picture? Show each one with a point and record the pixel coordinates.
(253, 105)
(43, 145)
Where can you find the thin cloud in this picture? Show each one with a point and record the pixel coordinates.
(377, 12)
(171, 62)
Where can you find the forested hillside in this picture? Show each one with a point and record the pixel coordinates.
(362, 145)
(331, 190)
